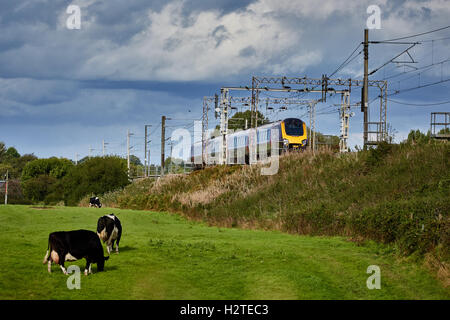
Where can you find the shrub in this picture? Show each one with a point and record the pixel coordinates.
(415, 225)
(37, 188)
(53, 167)
(94, 176)
(40, 177)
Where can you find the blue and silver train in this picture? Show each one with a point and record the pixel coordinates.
(292, 135)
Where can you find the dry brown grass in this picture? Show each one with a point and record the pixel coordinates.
(438, 267)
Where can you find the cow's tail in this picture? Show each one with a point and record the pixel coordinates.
(47, 254)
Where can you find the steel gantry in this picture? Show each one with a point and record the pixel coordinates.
(375, 132)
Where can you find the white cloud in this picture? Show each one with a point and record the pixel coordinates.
(204, 45)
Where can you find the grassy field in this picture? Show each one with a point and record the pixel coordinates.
(164, 256)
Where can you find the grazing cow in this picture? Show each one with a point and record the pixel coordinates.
(95, 202)
(74, 245)
(109, 230)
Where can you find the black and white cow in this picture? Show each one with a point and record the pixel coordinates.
(95, 202)
(74, 245)
(109, 230)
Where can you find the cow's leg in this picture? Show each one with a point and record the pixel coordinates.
(112, 244)
(61, 262)
(46, 257)
(118, 240)
(53, 257)
(62, 268)
(87, 269)
(108, 247)
(48, 260)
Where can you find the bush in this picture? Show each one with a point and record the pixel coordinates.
(418, 137)
(37, 188)
(94, 176)
(40, 177)
(376, 155)
(53, 167)
(417, 225)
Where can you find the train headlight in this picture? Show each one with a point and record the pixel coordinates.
(304, 142)
(286, 142)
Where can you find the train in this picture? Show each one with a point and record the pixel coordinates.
(288, 134)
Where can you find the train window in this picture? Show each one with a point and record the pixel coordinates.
(293, 127)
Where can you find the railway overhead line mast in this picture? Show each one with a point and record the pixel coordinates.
(375, 132)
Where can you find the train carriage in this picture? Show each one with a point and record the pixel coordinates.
(291, 135)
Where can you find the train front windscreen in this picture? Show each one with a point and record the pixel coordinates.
(293, 127)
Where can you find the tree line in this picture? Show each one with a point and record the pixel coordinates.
(58, 180)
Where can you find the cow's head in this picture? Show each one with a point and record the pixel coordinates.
(101, 228)
(101, 263)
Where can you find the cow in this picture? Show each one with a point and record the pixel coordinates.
(95, 202)
(109, 229)
(74, 245)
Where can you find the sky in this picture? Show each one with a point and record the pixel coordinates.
(64, 91)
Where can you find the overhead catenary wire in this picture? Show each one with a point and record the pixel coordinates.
(418, 69)
(420, 104)
(414, 35)
(343, 64)
(418, 87)
(392, 60)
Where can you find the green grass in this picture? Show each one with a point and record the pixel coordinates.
(164, 256)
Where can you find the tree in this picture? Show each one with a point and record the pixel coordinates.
(174, 165)
(415, 136)
(36, 189)
(8, 155)
(135, 160)
(237, 121)
(96, 176)
(40, 178)
(444, 131)
(19, 163)
(54, 167)
(12, 153)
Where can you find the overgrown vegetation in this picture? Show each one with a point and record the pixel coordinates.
(395, 194)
